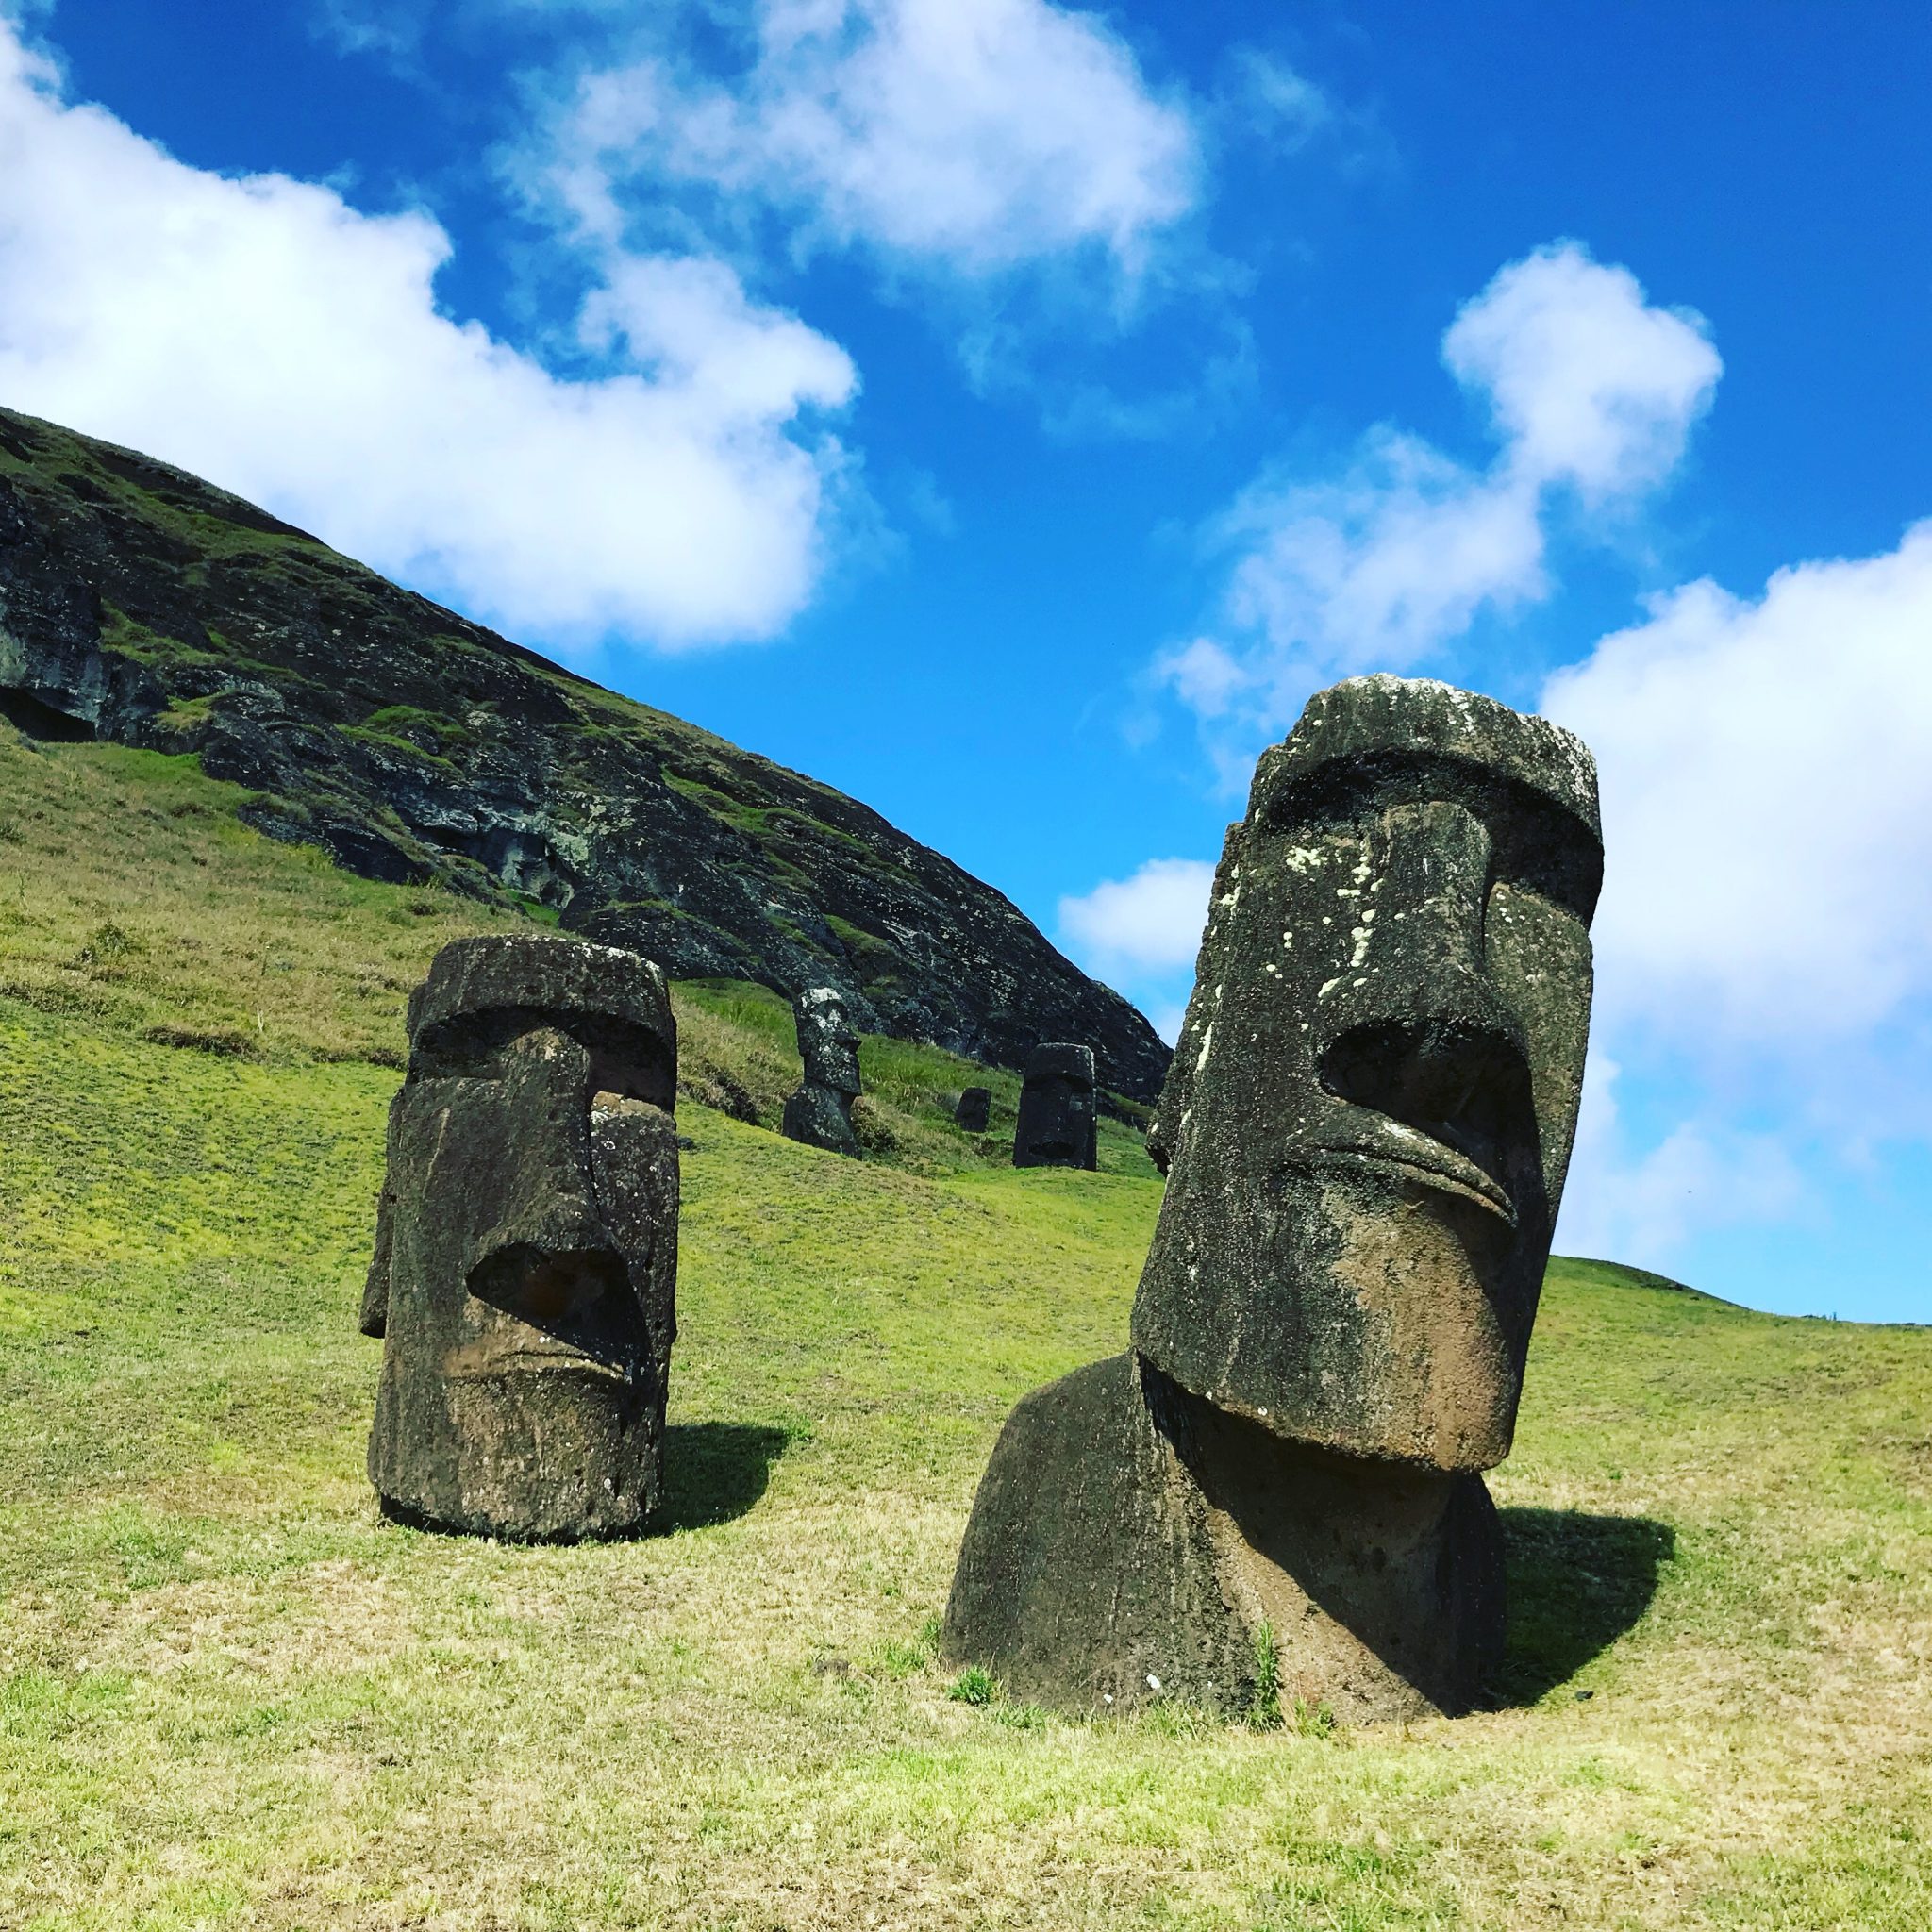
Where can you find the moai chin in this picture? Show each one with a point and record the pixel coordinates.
(1365, 1133)
(526, 1267)
(1057, 1125)
(820, 1113)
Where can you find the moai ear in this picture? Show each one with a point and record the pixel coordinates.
(374, 1316)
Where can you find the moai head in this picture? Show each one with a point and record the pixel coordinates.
(1369, 1113)
(526, 1243)
(975, 1109)
(1057, 1125)
(827, 1042)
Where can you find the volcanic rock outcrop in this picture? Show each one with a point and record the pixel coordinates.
(526, 1267)
(820, 1113)
(141, 605)
(1365, 1134)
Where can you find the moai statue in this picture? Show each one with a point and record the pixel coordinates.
(820, 1113)
(1365, 1133)
(974, 1109)
(526, 1260)
(1056, 1126)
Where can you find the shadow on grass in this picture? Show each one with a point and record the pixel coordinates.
(714, 1472)
(1576, 1583)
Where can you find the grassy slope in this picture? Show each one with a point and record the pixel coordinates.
(229, 1695)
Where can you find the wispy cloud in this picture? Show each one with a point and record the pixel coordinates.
(968, 138)
(1590, 391)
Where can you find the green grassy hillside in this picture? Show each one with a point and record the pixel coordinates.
(230, 1696)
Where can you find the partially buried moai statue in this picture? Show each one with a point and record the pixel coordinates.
(974, 1109)
(526, 1263)
(1365, 1133)
(820, 1113)
(1057, 1125)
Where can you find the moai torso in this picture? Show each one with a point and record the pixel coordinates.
(1365, 1133)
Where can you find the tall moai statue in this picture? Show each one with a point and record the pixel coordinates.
(1365, 1133)
(820, 1113)
(1056, 1126)
(526, 1267)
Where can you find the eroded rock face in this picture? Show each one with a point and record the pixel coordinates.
(820, 1113)
(143, 606)
(1057, 1125)
(1365, 1133)
(525, 1265)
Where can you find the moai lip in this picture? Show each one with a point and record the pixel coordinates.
(1365, 1134)
(1057, 1125)
(819, 1114)
(525, 1276)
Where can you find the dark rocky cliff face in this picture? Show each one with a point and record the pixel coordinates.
(141, 604)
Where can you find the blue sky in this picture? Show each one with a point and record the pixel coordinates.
(1010, 414)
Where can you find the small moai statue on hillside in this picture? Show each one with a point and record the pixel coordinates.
(1365, 1133)
(974, 1109)
(526, 1267)
(1057, 1125)
(820, 1113)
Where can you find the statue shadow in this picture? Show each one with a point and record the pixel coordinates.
(715, 1472)
(1576, 1583)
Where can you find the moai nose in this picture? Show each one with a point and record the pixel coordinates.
(549, 1256)
(1413, 1027)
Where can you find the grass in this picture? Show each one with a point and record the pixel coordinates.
(230, 1696)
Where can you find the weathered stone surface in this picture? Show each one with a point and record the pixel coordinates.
(1056, 1126)
(141, 605)
(525, 1265)
(820, 1113)
(1365, 1133)
(1371, 1105)
(974, 1109)
(1130, 1542)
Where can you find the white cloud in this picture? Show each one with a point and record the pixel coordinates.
(1766, 767)
(970, 135)
(1148, 924)
(1283, 106)
(1590, 384)
(263, 332)
(1591, 391)
(1764, 942)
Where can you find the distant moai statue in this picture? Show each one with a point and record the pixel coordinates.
(974, 1109)
(820, 1113)
(526, 1267)
(1056, 1124)
(1365, 1133)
